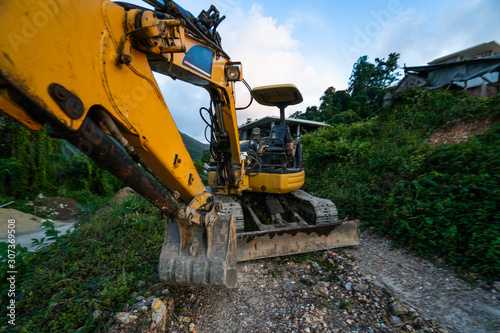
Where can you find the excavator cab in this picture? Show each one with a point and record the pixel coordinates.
(277, 153)
(280, 96)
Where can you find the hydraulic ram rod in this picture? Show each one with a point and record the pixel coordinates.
(94, 143)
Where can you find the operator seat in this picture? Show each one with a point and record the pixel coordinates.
(280, 136)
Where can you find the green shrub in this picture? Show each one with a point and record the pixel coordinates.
(442, 201)
(94, 268)
(31, 162)
(451, 207)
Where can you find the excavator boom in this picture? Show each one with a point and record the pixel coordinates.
(84, 69)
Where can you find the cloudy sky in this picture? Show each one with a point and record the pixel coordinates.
(314, 44)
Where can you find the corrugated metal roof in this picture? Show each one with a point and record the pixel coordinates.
(289, 121)
(430, 68)
(441, 75)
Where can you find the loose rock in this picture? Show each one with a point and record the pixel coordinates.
(159, 312)
(396, 320)
(96, 314)
(399, 310)
(322, 289)
(125, 317)
(361, 287)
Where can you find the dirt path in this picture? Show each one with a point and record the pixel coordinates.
(436, 292)
(370, 288)
(28, 227)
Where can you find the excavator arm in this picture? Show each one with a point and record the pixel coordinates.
(102, 56)
(85, 69)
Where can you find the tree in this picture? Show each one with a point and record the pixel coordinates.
(311, 113)
(379, 75)
(332, 103)
(368, 82)
(363, 97)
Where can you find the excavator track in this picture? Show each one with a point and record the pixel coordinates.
(312, 208)
(232, 207)
(293, 223)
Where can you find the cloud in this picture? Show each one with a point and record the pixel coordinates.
(270, 55)
(421, 35)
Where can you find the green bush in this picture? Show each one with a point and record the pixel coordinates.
(442, 201)
(94, 268)
(31, 162)
(451, 207)
(26, 160)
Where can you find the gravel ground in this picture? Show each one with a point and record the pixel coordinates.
(434, 290)
(370, 288)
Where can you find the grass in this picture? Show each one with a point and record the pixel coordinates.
(94, 268)
(344, 305)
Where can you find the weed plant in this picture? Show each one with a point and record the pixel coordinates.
(94, 268)
(443, 201)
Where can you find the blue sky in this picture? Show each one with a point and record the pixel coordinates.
(314, 44)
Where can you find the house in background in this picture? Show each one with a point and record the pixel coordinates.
(475, 70)
(479, 51)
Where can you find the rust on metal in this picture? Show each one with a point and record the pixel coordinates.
(280, 242)
(92, 141)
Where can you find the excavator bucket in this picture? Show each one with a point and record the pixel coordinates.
(193, 255)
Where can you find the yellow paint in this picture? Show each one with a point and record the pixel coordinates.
(277, 183)
(8, 106)
(270, 182)
(79, 45)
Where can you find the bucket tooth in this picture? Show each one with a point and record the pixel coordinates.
(195, 256)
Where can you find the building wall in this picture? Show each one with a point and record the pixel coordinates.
(486, 90)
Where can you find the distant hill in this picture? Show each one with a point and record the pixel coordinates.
(194, 147)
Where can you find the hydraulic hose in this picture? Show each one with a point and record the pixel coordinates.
(108, 122)
(94, 143)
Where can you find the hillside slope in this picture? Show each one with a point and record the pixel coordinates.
(194, 146)
(442, 200)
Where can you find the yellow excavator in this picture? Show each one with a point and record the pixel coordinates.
(85, 69)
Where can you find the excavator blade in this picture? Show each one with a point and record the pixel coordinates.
(285, 241)
(293, 223)
(195, 256)
(198, 256)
